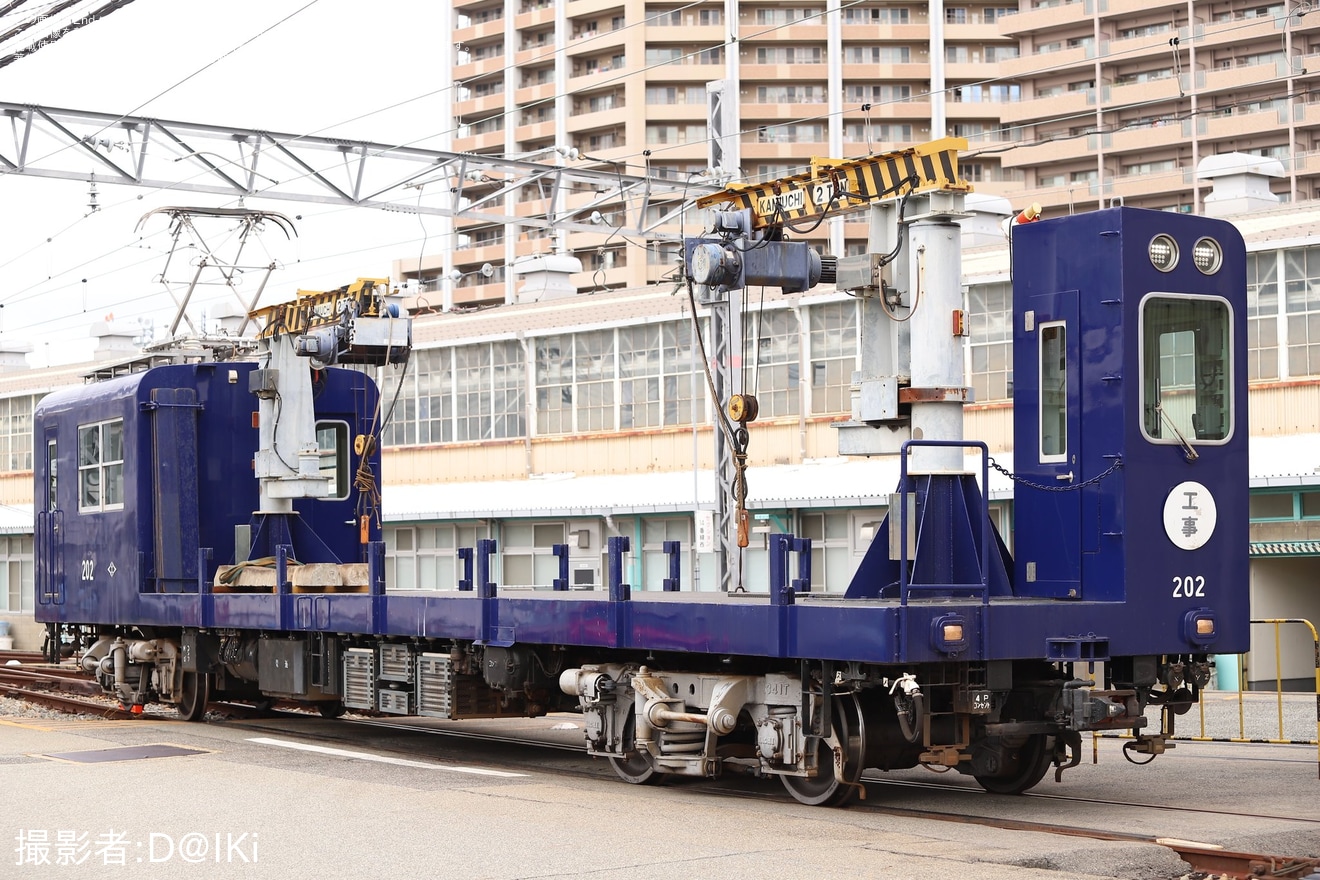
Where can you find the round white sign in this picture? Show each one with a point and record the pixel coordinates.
(1189, 515)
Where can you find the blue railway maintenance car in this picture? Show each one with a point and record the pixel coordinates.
(211, 529)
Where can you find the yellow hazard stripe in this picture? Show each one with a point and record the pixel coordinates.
(847, 184)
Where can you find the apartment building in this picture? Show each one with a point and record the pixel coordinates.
(623, 85)
(1070, 104)
(1122, 99)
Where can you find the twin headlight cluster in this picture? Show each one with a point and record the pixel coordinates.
(1207, 255)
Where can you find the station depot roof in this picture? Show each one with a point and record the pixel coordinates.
(824, 483)
(1276, 462)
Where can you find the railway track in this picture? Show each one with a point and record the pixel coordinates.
(1215, 861)
(1209, 860)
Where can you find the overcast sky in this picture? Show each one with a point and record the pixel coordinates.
(320, 64)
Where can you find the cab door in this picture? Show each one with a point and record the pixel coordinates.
(1048, 507)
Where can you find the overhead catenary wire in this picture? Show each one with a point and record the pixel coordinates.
(619, 164)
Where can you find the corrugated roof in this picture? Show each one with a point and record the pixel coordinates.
(1285, 548)
(1285, 460)
(832, 482)
(15, 519)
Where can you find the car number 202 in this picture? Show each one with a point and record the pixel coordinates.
(1189, 586)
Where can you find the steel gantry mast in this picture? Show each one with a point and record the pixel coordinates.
(248, 163)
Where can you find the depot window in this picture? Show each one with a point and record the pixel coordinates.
(101, 466)
(1186, 369)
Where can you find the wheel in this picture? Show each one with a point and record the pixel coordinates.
(846, 742)
(263, 706)
(331, 709)
(1026, 766)
(193, 696)
(635, 766)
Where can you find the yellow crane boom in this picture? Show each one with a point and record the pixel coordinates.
(846, 184)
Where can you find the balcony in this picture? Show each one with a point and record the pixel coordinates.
(679, 113)
(888, 33)
(1139, 188)
(579, 8)
(795, 73)
(1143, 94)
(974, 111)
(596, 42)
(479, 293)
(1151, 139)
(697, 34)
(1081, 58)
(980, 34)
(914, 72)
(1126, 8)
(534, 94)
(1054, 107)
(1152, 46)
(914, 112)
(478, 143)
(525, 21)
(794, 153)
(589, 120)
(1063, 150)
(963, 71)
(1266, 31)
(792, 35)
(476, 69)
(474, 256)
(534, 54)
(486, 31)
(590, 78)
(1233, 79)
(1032, 21)
(1307, 116)
(1240, 125)
(486, 105)
(535, 131)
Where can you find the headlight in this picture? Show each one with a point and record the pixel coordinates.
(1207, 255)
(1163, 252)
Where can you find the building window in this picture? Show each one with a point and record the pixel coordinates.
(423, 557)
(463, 393)
(789, 55)
(775, 361)
(1301, 279)
(799, 133)
(655, 562)
(833, 347)
(875, 15)
(990, 307)
(528, 553)
(101, 466)
(683, 388)
(839, 541)
(16, 432)
(16, 592)
(1272, 506)
(639, 377)
(1263, 316)
(575, 382)
(489, 387)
